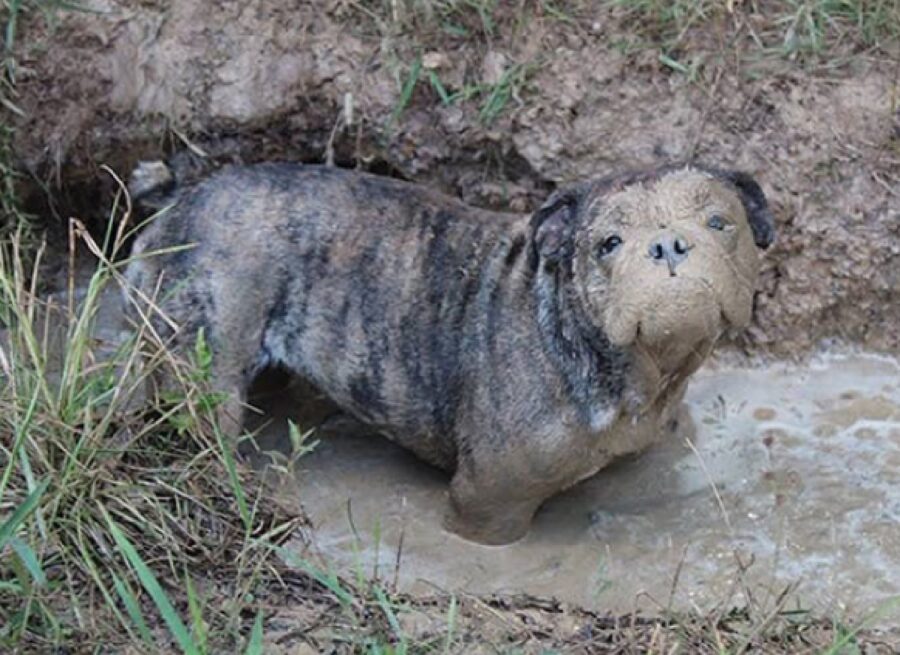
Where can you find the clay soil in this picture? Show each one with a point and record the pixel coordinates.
(499, 103)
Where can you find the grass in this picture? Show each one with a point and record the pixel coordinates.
(12, 217)
(690, 38)
(780, 27)
(12, 12)
(689, 35)
(122, 523)
(111, 515)
(410, 28)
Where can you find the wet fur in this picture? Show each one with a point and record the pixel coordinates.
(459, 333)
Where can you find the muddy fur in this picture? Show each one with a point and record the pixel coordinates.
(522, 353)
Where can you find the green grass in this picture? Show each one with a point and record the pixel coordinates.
(409, 28)
(455, 18)
(814, 26)
(125, 522)
(808, 31)
(12, 218)
(693, 39)
(12, 13)
(110, 513)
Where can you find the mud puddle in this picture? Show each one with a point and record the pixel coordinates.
(791, 475)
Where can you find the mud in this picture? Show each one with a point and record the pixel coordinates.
(784, 475)
(249, 81)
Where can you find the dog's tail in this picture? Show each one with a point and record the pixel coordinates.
(152, 184)
(155, 184)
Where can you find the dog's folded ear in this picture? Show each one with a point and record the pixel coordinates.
(755, 204)
(552, 226)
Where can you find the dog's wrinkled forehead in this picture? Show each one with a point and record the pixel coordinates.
(685, 194)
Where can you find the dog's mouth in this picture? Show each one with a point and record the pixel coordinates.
(681, 312)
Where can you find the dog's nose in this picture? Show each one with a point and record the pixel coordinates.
(669, 249)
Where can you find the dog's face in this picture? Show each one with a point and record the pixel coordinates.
(661, 257)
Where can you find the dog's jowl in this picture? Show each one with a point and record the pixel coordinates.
(522, 353)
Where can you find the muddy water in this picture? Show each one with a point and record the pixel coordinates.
(788, 475)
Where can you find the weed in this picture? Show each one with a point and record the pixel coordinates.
(410, 28)
(456, 18)
(793, 29)
(11, 14)
(666, 23)
(812, 26)
(406, 92)
(497, 96)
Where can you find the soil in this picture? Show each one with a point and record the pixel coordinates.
(314, 81)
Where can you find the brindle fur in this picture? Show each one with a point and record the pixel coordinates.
(478, 340)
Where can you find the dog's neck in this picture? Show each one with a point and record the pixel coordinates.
(593, 371)
(596, 372)
(661, 371)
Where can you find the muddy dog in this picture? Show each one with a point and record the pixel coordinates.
(521, 353)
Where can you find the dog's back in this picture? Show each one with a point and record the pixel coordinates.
(377, 291)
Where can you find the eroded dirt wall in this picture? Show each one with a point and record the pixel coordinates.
(254, 80)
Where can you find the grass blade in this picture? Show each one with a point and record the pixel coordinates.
(196, 609)
(391, 616)
(439, 88)
(407, 91)
(29, 560)
(255, 645)
(133, 608)
(9, 527)
(151, 585)
(329, 580)
(234, 479)
(451, 623)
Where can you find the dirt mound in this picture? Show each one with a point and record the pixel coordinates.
(496, 108)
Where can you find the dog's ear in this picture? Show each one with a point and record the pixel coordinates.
(755, 204)
(552, 226)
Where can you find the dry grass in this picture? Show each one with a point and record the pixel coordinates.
(97, 491)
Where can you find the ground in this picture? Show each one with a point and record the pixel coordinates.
(497, 103)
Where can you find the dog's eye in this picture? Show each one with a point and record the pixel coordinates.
(716, 222)
(608, 245)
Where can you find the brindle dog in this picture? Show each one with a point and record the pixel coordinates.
(522, 353)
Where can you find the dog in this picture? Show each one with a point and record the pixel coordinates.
(522, 353)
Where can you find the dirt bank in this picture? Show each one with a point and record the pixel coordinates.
(542, 97)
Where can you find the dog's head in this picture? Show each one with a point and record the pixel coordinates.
(670, 255)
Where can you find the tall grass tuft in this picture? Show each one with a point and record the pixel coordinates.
(119, 522)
